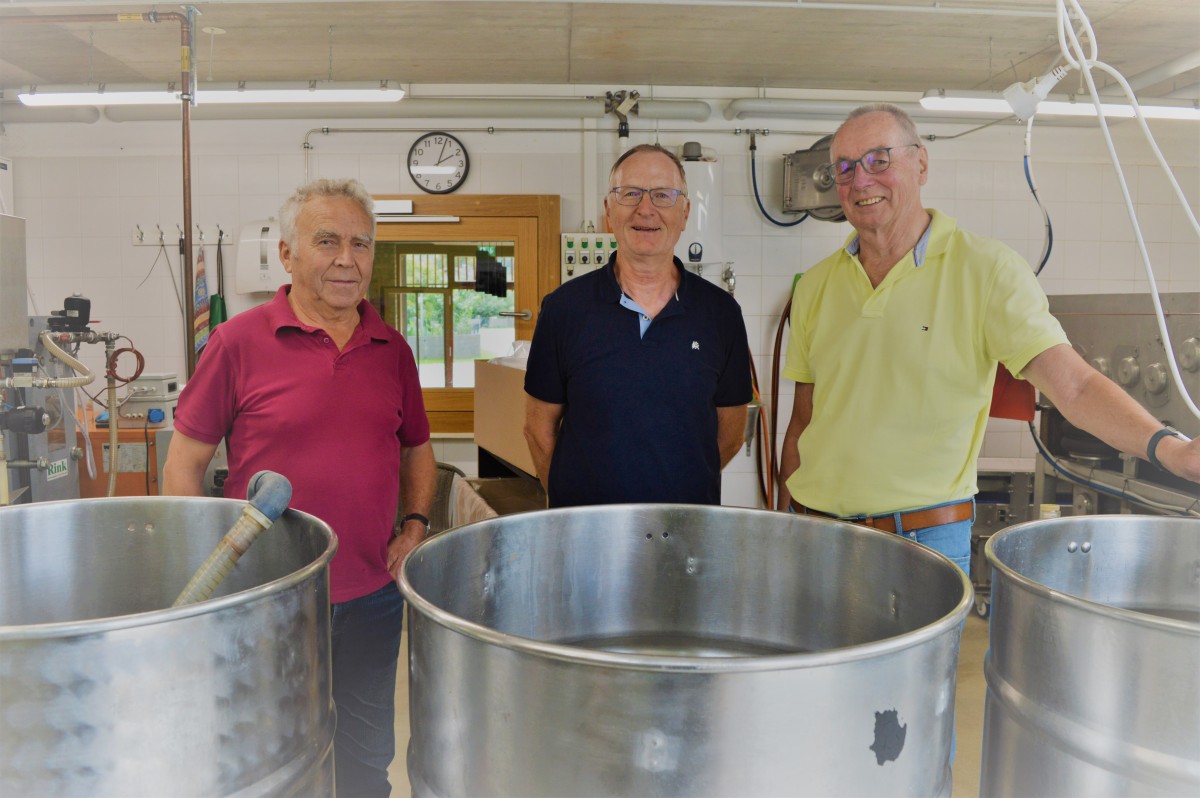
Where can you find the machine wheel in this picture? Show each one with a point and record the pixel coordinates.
(983, 606)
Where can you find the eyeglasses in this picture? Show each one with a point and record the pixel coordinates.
(661, 197)
(873, 162)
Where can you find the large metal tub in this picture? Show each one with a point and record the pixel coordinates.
(662, 650)
(104, 691)
(1093, 676)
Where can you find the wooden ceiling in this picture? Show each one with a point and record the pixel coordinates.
(720, 43)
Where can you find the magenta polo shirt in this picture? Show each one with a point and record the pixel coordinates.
(285, 399)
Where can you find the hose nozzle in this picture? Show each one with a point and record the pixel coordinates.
(268, 494)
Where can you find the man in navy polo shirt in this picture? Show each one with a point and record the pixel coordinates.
(639, 372)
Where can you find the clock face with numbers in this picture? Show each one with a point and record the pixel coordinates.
(438, 163)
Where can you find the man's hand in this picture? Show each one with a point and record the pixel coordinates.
(399, 547)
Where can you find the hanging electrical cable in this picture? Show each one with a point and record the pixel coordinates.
(1024, 99)
(1048, 241)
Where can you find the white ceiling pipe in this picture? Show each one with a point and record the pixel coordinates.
(1176, 66)
(803, 109)
(1191, 92)
(422, 108)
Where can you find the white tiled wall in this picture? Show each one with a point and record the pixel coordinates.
(83, 188)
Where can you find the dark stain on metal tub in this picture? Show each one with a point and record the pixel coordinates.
(889, 736)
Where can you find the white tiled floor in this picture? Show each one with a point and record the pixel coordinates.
(968, 713)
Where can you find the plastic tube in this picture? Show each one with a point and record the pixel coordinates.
(268, 494)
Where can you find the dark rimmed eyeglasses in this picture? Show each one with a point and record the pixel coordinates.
(873, 162)
(660, 197)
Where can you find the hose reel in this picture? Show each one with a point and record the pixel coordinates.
(808, 185)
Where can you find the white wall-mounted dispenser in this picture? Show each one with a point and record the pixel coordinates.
(258, 266)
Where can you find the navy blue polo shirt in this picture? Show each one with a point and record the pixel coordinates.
(640, 416)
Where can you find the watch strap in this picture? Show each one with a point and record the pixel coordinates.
(1155, 439)
(415, 517)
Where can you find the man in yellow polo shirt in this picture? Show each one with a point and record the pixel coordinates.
(894, 344)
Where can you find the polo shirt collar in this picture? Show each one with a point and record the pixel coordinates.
(922, 247)
(280, 315)
(609, 290)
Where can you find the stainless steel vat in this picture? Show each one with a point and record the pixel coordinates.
(680, 651)
(1093, 676)
(106, 692)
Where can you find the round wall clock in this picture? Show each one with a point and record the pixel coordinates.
(438, 163)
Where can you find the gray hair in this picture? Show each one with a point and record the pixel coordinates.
(650, 148)
(322, 187)
(902, 119)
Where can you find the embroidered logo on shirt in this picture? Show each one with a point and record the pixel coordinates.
(924, 328)
(696, 345)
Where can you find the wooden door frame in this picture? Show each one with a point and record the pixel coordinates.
(452, 410)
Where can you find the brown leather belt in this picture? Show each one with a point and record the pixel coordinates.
(909, 522)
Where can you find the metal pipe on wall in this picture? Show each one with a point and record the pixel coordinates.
(185, 82)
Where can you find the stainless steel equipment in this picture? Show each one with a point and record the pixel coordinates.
(39, 455)
(675, 650)
(1119, 335)
(107, 692)
(1093, 677)
(807, 185)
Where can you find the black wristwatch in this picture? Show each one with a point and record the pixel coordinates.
(1155, 439)
(415, 517)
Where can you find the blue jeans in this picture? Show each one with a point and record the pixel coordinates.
(952, 540)
(366, 646)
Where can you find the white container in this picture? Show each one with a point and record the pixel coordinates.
(701, 240)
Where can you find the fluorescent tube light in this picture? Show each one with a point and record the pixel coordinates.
(215, 94)
(992, 103)
(101, 94)
(311, 92)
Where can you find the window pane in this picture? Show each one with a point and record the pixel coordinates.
(418, 285)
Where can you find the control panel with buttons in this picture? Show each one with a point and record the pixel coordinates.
(585, 252)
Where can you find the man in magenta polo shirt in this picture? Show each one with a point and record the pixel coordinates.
(315, 386)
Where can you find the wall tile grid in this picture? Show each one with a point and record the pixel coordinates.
(82, 208)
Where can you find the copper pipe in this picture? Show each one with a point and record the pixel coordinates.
(185, 82)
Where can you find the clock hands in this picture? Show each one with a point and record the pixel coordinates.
(443, 152)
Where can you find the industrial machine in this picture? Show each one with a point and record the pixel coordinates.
(1119, 335)
(43, 441)
(39, 442)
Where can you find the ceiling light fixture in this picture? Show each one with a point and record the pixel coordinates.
(101, 94)
(996, 104)
(314, 91)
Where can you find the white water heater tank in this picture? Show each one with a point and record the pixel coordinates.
(700, 243)
(258, 266)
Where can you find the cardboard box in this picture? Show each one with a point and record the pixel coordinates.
(500, 413)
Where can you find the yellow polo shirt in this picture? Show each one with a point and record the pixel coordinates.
(902, 374)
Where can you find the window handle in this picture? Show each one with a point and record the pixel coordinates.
(520, 314)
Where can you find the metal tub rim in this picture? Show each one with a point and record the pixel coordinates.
(61, 629)
(688, 664)
(1077, 602)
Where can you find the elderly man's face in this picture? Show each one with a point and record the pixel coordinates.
(878, 202)
(334, 253)
(646, 230)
